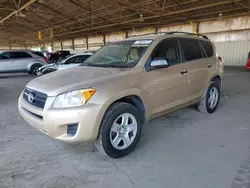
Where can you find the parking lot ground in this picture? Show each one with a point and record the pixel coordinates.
(183, 149)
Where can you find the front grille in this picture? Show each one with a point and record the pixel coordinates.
(35, 98)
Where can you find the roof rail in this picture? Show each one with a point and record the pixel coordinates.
(154, 33)
(187, 33)
(171, 33)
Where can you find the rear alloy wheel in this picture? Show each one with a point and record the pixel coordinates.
(210, 101)
(120, 130)
(35, 69)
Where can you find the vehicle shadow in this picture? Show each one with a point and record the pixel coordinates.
(19, 75)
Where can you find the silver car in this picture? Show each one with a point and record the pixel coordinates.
(69, 62)
(21, 61)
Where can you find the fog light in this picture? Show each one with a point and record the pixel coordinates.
(72, 129)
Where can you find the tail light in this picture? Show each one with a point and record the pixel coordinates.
(248, 64)
(45, 59)
(220, 59)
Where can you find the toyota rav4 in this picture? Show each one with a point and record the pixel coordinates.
(112, 94)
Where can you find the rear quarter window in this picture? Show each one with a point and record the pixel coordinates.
(208, 47)
(38, 53)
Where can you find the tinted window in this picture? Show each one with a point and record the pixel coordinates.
(71, 60)
(77, 59)
(168, 49)
(38, 53)
(191, 49)
(208, 48)
(5, 55)
(82, 58)
(15, 55)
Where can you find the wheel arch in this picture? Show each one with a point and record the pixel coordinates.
(136, 101)
(217, 79)
(32, 64)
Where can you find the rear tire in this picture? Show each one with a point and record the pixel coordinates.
(211, 99)
(34, 69)
(120, 130)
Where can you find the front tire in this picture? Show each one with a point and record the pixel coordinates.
(120, 130)
(209, 103)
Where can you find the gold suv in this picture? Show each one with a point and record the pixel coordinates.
(112, 94)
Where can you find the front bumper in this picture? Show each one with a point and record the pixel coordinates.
(54, 122)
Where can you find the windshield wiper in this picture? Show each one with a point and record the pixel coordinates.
(88, 64)
(118, 66)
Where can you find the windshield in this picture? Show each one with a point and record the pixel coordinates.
(120, 54)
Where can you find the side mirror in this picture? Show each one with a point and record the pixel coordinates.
(159, 63)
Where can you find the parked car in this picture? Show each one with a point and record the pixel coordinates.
(50, 66)
(21, 61)
(248, 62)
(71, 61)
(54, 57)
(122, 86)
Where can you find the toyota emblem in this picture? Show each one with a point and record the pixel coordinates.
(30, 98)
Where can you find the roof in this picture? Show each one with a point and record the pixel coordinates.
(15, 51)
(20, 21)
(166, 34)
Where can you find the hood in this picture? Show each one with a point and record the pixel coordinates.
(75, 78)
(47, 66)
(61, 67)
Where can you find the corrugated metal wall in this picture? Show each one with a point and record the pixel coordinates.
(234, 53)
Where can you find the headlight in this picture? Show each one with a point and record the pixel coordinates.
(73, 98)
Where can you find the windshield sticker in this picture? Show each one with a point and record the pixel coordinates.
(143, 42)
(140, 45)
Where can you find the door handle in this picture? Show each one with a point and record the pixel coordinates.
(184, 72)
(209, 66)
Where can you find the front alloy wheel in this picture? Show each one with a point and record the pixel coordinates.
(120, 130)
(123, 131)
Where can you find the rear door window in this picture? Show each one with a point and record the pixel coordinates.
(191, 49)
(208, 48)
(19, 55)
